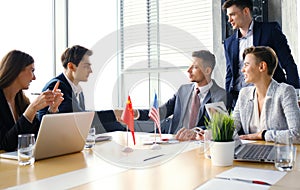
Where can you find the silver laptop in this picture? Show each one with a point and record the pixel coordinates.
(254, 152)
(60, 134)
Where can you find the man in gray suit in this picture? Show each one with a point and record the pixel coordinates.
(180, 105)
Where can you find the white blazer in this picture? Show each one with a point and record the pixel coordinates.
(281, 111)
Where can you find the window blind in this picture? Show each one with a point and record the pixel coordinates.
(157, 39)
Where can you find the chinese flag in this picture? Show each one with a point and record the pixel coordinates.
(127, 117)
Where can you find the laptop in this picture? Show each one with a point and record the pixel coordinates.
(244, 152)
(254, 152)
(60, 134)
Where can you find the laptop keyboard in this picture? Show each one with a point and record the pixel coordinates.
(258, 152)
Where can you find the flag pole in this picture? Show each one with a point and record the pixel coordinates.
(127, 135)
(155, 146)
(127, 117)
(154, 132)
(127, 149)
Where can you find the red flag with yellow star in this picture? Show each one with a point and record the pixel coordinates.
(128, 117)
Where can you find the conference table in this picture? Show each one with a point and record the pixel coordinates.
(93, 169)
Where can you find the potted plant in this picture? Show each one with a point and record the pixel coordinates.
(222, 146)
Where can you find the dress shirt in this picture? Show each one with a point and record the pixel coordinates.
(76, 88)
(244, 42)
(202, 94)
(257, 121)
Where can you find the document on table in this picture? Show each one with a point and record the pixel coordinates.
(241, 177)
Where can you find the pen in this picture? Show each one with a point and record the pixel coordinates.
(247, 180)
(55, 88)
(153, 157)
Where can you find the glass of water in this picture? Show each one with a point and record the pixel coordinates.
(284, 155)
(207, 142)
(90, 140)
(26, 144)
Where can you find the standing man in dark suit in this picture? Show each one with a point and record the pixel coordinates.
(77, 68)
(180, 105)
(251, 33)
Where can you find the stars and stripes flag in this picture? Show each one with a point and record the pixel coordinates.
(128, 117)
(154, 114)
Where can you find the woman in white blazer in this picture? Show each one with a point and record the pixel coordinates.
(267, 107)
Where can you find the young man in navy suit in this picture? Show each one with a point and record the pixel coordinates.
(77, 68)
(251, 33)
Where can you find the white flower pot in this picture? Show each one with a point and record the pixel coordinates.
(222, 153)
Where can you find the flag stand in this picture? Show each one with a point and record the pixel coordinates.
(155, 146)
(127, 149)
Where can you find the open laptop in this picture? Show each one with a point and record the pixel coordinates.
(60, 134)
(254, 152)
(244, 152)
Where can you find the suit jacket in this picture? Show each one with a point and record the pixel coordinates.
(177, 105)
(9, 130)
(70, 103)
(104, 121)
(281, 110)
(264, 34)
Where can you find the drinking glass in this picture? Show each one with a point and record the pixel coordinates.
(207, 142)
(26, 144)
(284, 154)
(90, 140)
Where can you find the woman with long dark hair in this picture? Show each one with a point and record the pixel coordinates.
(18, 115)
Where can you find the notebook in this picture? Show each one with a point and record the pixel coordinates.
(254, 152)
(60, 134)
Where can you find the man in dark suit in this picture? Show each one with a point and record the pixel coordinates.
(180, 105)
(251, 33)
(77, 68)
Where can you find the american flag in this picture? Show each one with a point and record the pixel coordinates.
(154, 113)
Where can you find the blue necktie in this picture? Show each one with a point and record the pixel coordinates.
(81, 101)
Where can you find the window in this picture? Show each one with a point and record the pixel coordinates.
(30, 30)
(157, 39)
(93, 24)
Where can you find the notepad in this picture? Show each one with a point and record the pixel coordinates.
(269, 176)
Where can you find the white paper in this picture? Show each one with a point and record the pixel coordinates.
(247, 141)
(230, 185)
(269, 176)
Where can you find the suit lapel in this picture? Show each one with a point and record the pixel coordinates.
(268, 103)
(205, 101)
(75, 104)
(249, 109)
(185, 102)
(256, 33)
(235, 53)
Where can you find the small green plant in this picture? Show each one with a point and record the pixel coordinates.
(222, 127)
